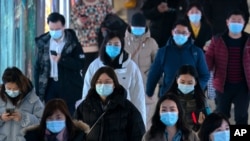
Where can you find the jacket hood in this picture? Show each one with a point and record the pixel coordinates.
(120, 62)
(79, 125)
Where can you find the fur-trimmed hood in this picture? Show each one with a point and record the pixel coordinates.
(79, 125)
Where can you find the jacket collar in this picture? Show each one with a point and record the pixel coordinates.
(79, 125)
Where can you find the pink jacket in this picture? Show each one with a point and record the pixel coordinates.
(217, 60)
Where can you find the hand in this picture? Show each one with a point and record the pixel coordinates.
(205, 47)
(6, 117)
(16, 116)
(56, 58)
(149, 100)
(163, 7)
(201, 118)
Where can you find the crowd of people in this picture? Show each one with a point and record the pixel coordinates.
(97, 80)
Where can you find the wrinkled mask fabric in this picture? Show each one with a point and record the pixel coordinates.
(113, 51)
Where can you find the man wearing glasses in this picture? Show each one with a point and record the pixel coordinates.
(178, 51)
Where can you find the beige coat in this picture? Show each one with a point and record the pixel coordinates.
(142, 49)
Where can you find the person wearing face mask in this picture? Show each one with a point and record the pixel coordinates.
(168, 122)
(201, 31)
(143, 49)
(162, 14)
(178, 51)
(191, 96)
(112, 54)
(108, 112)
(228, 57)
(216, 127)
(57, 125)
(20, 106)
(59, 60)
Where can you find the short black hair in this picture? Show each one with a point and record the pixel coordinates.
(55, 17)
(236, 12)
(181, 21)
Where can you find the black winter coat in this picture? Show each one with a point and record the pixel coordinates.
(204, 35)
(121, 122)
(69, 67)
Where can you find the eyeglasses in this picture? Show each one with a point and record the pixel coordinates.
(181, 32)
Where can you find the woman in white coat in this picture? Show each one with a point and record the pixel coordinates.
(112, 54)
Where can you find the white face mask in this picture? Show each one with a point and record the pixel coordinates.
(12, 94)
(185, 89)
(104, 89)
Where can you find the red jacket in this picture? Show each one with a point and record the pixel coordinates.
(217, 60)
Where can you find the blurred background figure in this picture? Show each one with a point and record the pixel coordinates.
(168, 122)
(215, 128)
(162, 14)
(86, 19)
(200, 28)
(217, 10)
(106, 109)
(142, 48)
(111, 23)
(19, 105)
(132, 7)
(56, 125)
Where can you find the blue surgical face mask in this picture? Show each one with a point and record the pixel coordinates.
(12, 94)
(138, 31)
(185, 89)
(56, 34)
(169, 118)
(104, 89)
(55, 126)
(194, 18)
(180, 39)
(235, 28)
(221, 136)
(113, 51)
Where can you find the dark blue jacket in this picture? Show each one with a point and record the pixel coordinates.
(169, 59)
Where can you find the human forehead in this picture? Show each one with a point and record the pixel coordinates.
(194, 9)
(56, 113)
(55, 25)
(11, 86)
(104, 76)
(181, 28)
(186, 77)
(114, 40)
(224, 126)
(236, 17)
(168, 104)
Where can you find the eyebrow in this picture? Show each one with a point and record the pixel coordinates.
(169, 107)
